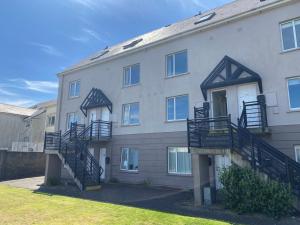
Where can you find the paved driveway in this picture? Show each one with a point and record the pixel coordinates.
(33, 183)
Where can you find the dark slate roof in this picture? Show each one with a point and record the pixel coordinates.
(227, 11)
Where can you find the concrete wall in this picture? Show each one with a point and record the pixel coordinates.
(11, 128)
(14, 165)
(153, 161)
(254, 41)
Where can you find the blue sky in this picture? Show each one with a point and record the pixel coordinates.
(39, 38)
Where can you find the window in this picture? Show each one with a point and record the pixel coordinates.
(129, 159)
(131, 75)
(177, 108)
(130, 115)
(294, 93)
(205, 18)
(179, 161)
(177, 64)
(50, 121)
(290, 32)
(297, 153)
(72, 118)
(74, 89)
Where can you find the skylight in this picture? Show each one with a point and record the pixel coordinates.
(101, 54)
(133, 43)
(205, 18)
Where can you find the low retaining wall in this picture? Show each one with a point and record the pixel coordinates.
(14, 165)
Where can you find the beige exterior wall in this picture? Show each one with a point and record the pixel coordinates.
(254, 41)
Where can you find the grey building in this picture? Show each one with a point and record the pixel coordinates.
(128, 104)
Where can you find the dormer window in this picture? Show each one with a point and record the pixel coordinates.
(205, 18)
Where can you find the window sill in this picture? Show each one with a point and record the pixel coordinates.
(129, 171)
(293, 110)
(73, 97)
(180, 174)
(174, 121)
(129, 86)
(289, 50)
(130, 125)
(177, 75)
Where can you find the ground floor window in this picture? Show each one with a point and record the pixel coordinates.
(129, 159)
(179, 160)
(297, 153)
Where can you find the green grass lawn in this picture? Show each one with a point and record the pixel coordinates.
(21, 206)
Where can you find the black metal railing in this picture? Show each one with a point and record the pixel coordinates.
(209, 132)
(52, 140)
(222, 133)
(254, 115)
(73, 146)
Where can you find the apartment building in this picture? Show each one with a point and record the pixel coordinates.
(129, 103)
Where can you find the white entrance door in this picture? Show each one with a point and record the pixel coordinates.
(104, 130)
(102, 157)
(92, 151)
(221, 162)
(248, 93)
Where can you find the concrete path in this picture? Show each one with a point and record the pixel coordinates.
(32, 183)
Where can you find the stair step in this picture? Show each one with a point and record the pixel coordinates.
(93, 188)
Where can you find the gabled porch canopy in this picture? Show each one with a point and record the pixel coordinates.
(96, 98)
(229, 72)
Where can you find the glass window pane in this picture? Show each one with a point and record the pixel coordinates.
(134, 113)
(170, 65)
(127, 76)
(71, 90)
(135, 74)
(133, 160)
(181, 62)
(126, 110)
(181, 107)
(182, 162)
(170, 109)
(294, 93)
(297, 28)
(77, 91)
(172, 161)
(288, 36)
(124, 159)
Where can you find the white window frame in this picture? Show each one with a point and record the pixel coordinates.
(124, 74)
(123, 114)
(297, 148)
(48, 119)
(294, 32)
(288, 90)
(128, 150)
(76, 83)
(167, 108)
(76, 118)
(177, 173)
(174, 62)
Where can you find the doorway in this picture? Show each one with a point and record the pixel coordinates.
(102, 159)
(248, 93)
(219, 103)
(221, 162)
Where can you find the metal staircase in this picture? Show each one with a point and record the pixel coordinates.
(216, 133)
(72, 148)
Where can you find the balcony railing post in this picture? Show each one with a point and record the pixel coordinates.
(230, 131)
(59, 145)
(99, 124)
(188, 133)
(91, 130)
(110, 129)
(263, 111)
(287, 170)
(253, 160)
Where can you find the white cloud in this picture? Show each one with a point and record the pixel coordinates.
(87, 35)
(3, 91)
(19, 102)
(48, 49)
(91, 4)
(49, 87)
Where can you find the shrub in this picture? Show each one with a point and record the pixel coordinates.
(244, 191)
